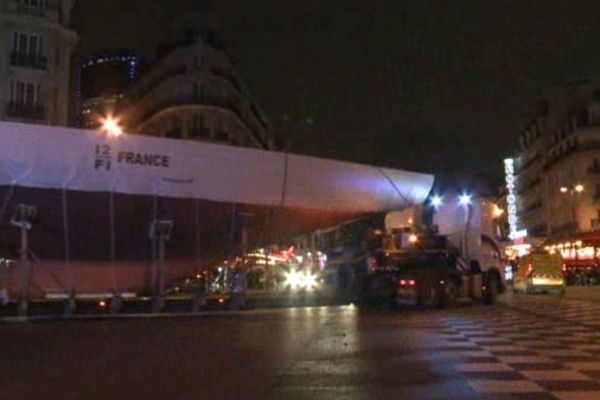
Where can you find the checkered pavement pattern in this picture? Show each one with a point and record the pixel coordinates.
(577, 311)
(534, 354)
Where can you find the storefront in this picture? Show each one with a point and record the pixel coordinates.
(581, 254)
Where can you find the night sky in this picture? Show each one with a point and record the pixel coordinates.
(439, 86)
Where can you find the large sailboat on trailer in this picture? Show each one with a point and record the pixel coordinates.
(96, 198)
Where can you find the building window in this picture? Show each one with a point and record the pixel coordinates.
(28, 50)
(583, 118)
(198, 128)
(25, 43)
(25, 101)
(35, 3)
(176, 132)
(195, 92)
(220, 132)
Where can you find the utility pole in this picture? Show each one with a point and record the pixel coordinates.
(23, 218)
(465, 201)
(160, 233)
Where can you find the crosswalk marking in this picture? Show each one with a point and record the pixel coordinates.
(482, 367)
(578, 395)
(585, 366)
(505, 386)
(534, 349)
(556, 375)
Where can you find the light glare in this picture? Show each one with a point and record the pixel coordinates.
(497, 211)
(111, 126)
(300, 280)
(293, 279)
(464, 199)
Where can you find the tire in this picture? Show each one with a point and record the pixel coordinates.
(428, 298)
(449, 294)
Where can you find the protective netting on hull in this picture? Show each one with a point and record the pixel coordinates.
(97, 196)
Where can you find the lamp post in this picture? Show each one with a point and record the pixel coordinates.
(23, 218)
(160, 233)
(465, 201)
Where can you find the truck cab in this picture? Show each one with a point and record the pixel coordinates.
(436, 262)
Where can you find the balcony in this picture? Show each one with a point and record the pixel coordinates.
(231, 103)
(49, 9)
(37, 11)
(28, 60)
(31, 112)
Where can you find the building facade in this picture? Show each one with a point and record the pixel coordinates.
(558, 165)
(36, 45)
(102, 83)
(194, 92)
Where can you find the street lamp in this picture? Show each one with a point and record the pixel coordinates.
(111, 126)
(436, 201)
(464, 199)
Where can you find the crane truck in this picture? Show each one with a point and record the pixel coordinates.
(426, 256)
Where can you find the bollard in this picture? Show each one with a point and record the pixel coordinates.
(199, 301)
(23, 308)
(70, 305)
(115, 304)
(158, 304)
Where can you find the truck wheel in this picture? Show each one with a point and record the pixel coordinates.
(491, 295)
(428, 298)
(528, 287)
(449, 294)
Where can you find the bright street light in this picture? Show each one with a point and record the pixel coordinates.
(578, 188)
(294, 279)
(497, 211)
(464, 199)
(300, 280)
(310, 281)
(111, 126)
(436, 201)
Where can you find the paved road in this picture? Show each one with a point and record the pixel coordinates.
(531, 348)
